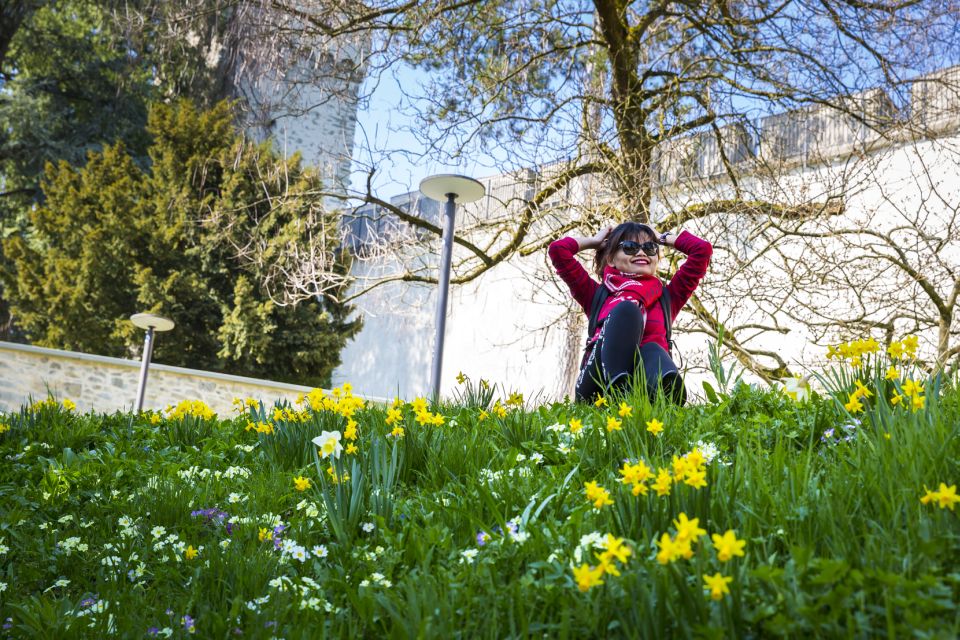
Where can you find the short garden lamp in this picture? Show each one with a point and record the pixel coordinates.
(450, 188)
(150, 323)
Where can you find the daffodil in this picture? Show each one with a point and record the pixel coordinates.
(329, 444)
(853, 405)
(717, 585)
(301, 484)
(662, 483)
(461, 378)
(575, 425)
(600, 402)
(587, 577)
(892, 374)
(797, 388)
(625, 410)
(596, 494)
(190, 553)
(655, 427)
(393, 416)
(613, 424)
(688, 529)
(727, 545)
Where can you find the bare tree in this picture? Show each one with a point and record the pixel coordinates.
(604, 98)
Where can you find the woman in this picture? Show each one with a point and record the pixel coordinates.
(631, 331)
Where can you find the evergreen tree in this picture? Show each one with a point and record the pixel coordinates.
(113, 238)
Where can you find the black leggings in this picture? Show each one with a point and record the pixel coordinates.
(615, 357)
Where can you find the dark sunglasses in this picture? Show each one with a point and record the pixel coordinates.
(631, 248)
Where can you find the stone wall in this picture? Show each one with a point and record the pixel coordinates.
(99, 383)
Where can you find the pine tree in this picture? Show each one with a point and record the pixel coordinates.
(113, 239)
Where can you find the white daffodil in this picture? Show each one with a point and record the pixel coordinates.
(797, 388)
(329, 444)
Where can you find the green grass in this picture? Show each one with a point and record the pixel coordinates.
(838, 543)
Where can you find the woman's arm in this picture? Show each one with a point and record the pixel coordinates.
(562, 253)
(688, 276)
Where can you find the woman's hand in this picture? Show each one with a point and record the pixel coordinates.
(595, 241)
(668, 238)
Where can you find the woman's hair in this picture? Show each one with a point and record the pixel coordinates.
(636, 231)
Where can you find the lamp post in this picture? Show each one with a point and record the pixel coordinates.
(150, 323)
(450, 188)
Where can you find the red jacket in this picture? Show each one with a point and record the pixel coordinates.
(681, 287)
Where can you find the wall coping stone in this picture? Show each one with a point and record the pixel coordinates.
(154, 366)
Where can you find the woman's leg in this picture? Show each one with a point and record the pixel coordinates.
(618, 350)
(590, 380)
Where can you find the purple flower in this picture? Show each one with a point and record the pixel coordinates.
(482, 538)
(153, 631)
(189, 624)
(86, 603)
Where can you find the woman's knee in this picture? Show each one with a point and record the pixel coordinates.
(626, 313)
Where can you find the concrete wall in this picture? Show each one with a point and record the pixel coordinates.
(99, 383)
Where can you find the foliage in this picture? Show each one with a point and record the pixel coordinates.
(113, 239)
(804, 522)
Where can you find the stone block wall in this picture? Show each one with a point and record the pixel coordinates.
(99, 383)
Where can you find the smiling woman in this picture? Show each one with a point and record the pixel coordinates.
(630, 309)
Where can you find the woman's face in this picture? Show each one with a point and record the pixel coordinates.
(639, 264)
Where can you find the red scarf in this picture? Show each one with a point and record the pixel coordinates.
(642, 289)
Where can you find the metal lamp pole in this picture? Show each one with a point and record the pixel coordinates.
(449, 188)
(151, 323)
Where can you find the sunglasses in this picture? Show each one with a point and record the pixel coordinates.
(631, 248)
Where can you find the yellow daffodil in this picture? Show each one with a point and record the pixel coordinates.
(587, 577)
(596, 494)
(912, 388)
(613, 424)
(600, 402)
(853, 405)
(301, 484)
(727, 545)
(397, 432)
(917, 402)
(668, 549)
(895, 399)
(688, 529)
(461, 378)
(655, 427)
(483, 415)
(625, 410)
(717, 585)
(190, 553)
(265, 534)
(892, 374)
(615, 548)
(662, 483)
(575, 425)
(351, 449)
(393, 416)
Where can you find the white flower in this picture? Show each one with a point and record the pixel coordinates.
(125, 521)
(329, 444)
(299, 553)
(65, 519)
(536, 458)
(158, 532)
(224, 543)
(367, 527)
(797, 388)
(521, 457)
(311, 603)
(4, 549)
(3, 587)
(234, 498)
(320, 551)
(469, 554)
(279, 583)
(708, 450)
(520, 537)
(557, 427)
